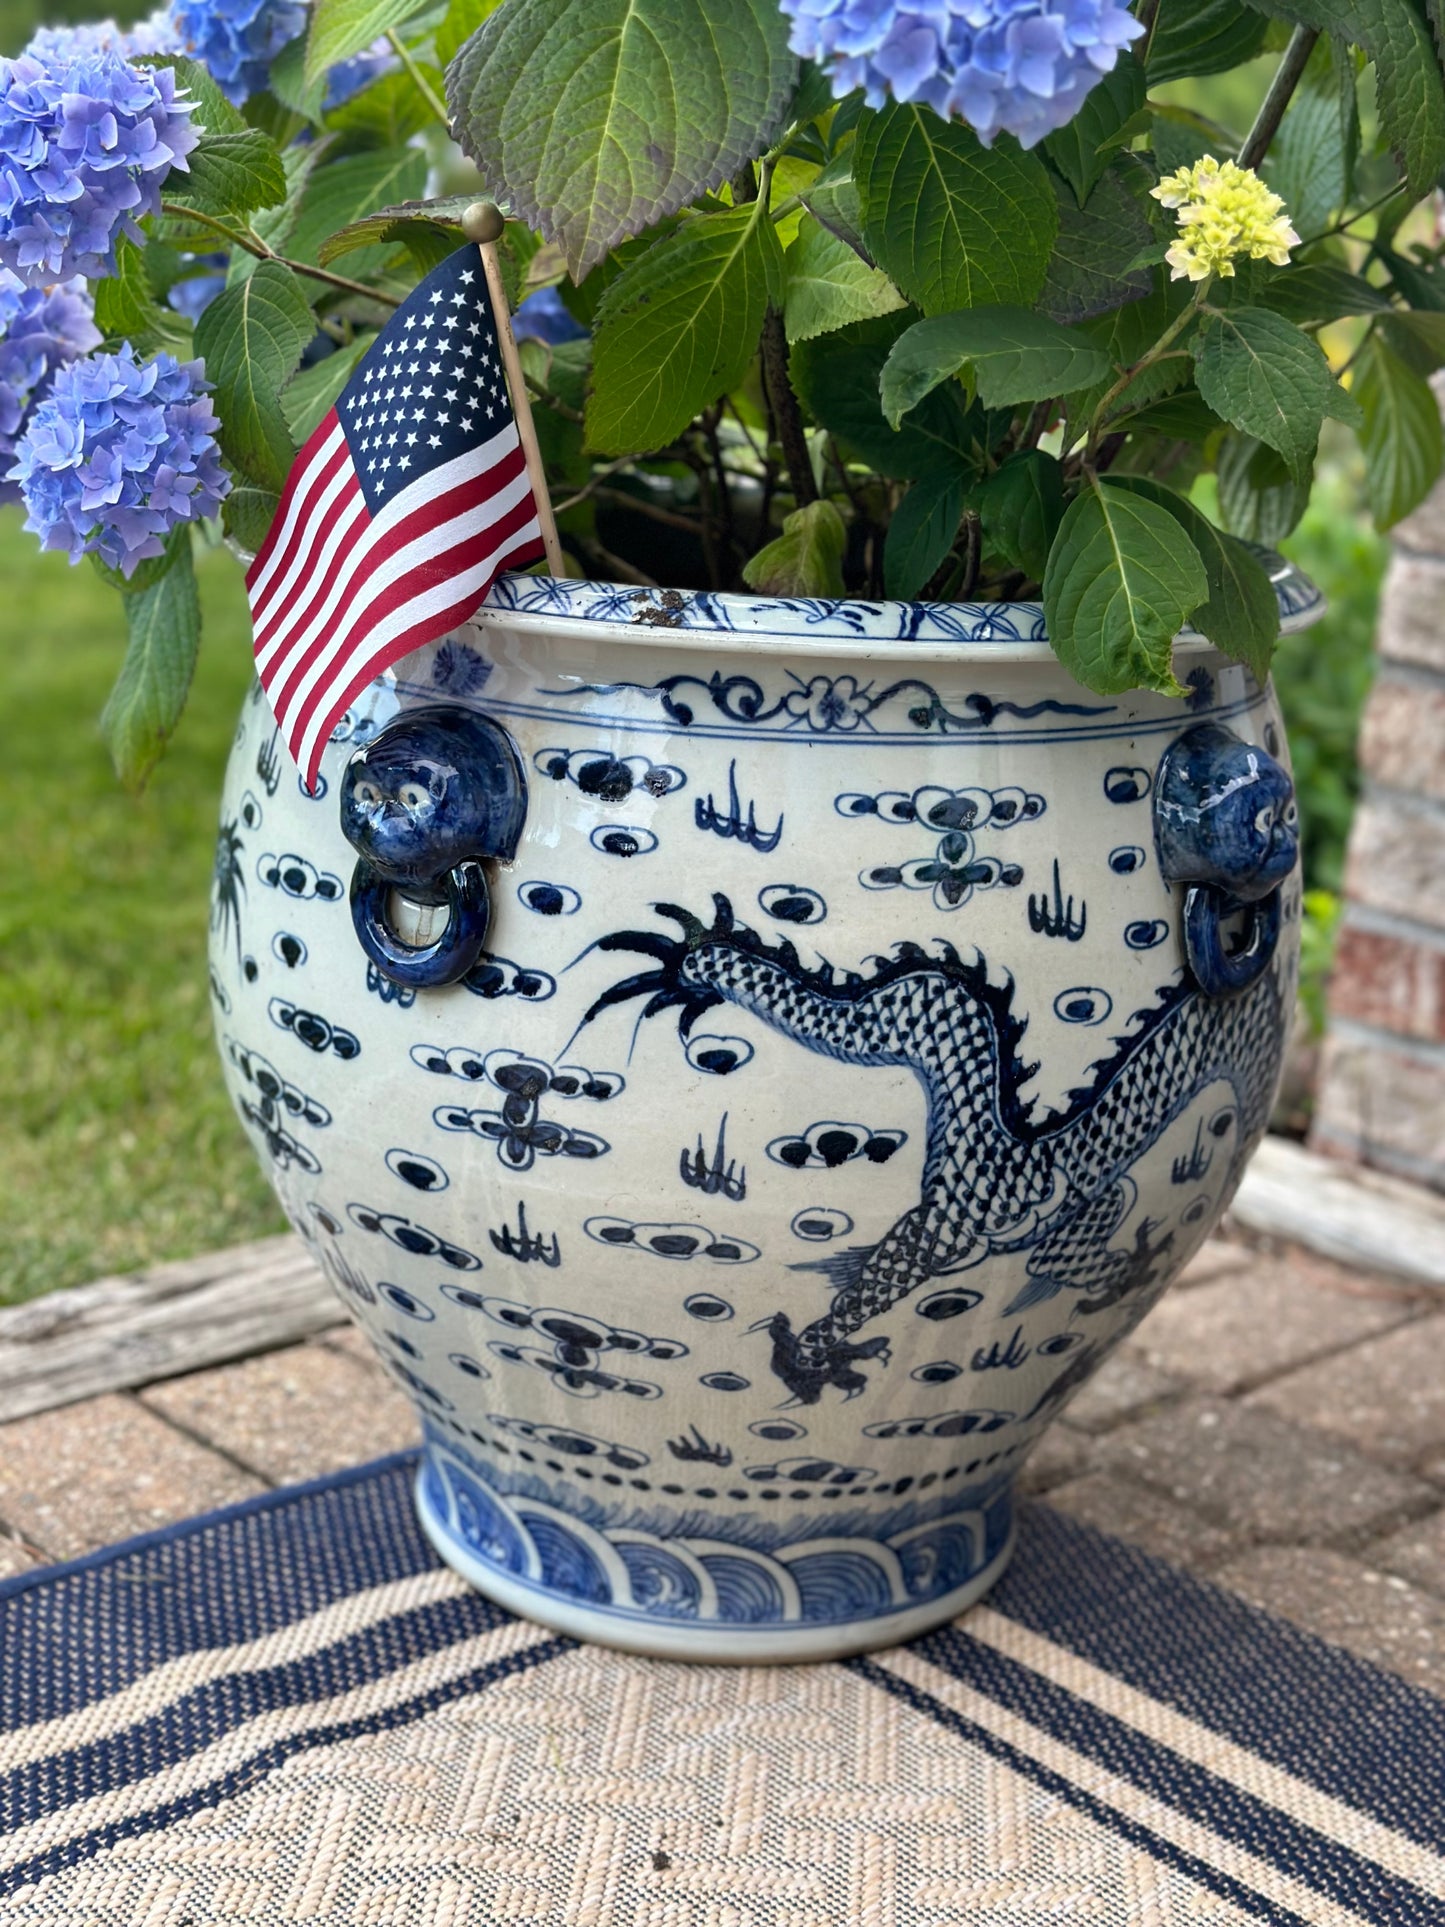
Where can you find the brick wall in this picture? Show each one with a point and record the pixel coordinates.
(1381, 1097)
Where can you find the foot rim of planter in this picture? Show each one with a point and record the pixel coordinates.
(728, 1645)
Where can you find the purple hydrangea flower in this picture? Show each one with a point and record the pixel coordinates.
(237, 39)
(85, 141)
(41, 329)
(118, 454)
(1018, 66)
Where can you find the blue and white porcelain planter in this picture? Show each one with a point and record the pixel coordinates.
(855, 1049)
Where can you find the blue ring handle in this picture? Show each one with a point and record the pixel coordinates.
(448, 958)
(1222, 973)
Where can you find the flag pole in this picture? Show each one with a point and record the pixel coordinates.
(483, 223)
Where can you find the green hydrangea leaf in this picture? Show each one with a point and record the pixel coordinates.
(1096, 263)
(829, 286)
(341, 28)
(1241, 614)
(837, 379)
(310, 392)
(1259, 500)
(952, 223)
(1122, 581)
(1311, 159)
(1081, 149)
(1012, 355)
(126, 308)
(806, 559)
(679, 326)
(922, 532)
(1193, 37)
(213, 112)
(251, 337)
(833, 199)
(164, 624)
(231, 174)
(1409, 90)
(1319, 291)
(593, 122)
(1022, 505)
(1261, 374)
(1400, 432)
(340, 193)
(247, 514)
(459, 23)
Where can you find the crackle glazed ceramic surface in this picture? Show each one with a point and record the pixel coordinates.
(860, 1024)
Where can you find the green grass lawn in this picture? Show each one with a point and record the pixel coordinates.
(118, 1146)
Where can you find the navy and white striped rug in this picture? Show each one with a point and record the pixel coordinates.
(288, 1712)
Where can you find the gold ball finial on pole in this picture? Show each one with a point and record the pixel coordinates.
(482, 222)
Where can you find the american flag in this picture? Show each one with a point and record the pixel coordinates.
(400, 512)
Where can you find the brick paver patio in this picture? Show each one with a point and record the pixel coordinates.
(1277, 1424)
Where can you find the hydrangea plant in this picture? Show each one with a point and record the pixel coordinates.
(945, 299)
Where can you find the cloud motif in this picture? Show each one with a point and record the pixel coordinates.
(576, 1445)
(414, 1238)
(792, 903)
(943, 809)
(807, 1472)
(826, 1145)
(295, 877)
(622, 839)
(777, 1430)
(549, 899)
(277, 1094)
(678, 1242)
(494, 977)
(288, 950)
(611, 779)
(942, 1425)
(1125, 784)
(516, 1074)
(313, 1030)
(1146, 933)
(1084, 1004)
(577, 1340)
(820, 1223)
(420, 1172)
(718, 1055)
(517, 1130)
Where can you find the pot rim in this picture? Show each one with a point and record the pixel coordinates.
(700, 619)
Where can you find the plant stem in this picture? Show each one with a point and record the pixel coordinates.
(554, 401)
(1281, 89)
(668, 517)
(1156, 353)
(253, 244)
(419, 80)
(575, 501)
(786, 412)
(972, 553)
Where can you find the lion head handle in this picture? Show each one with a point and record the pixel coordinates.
(1225, 824)
(423, 803)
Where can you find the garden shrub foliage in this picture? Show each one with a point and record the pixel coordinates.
(833, 296)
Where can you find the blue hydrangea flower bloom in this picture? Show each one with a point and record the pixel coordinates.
(237, 39)
(85, 142)
(1018, 66)
(192, 295)
(348, 77)
(118, 454)
(40, 330)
